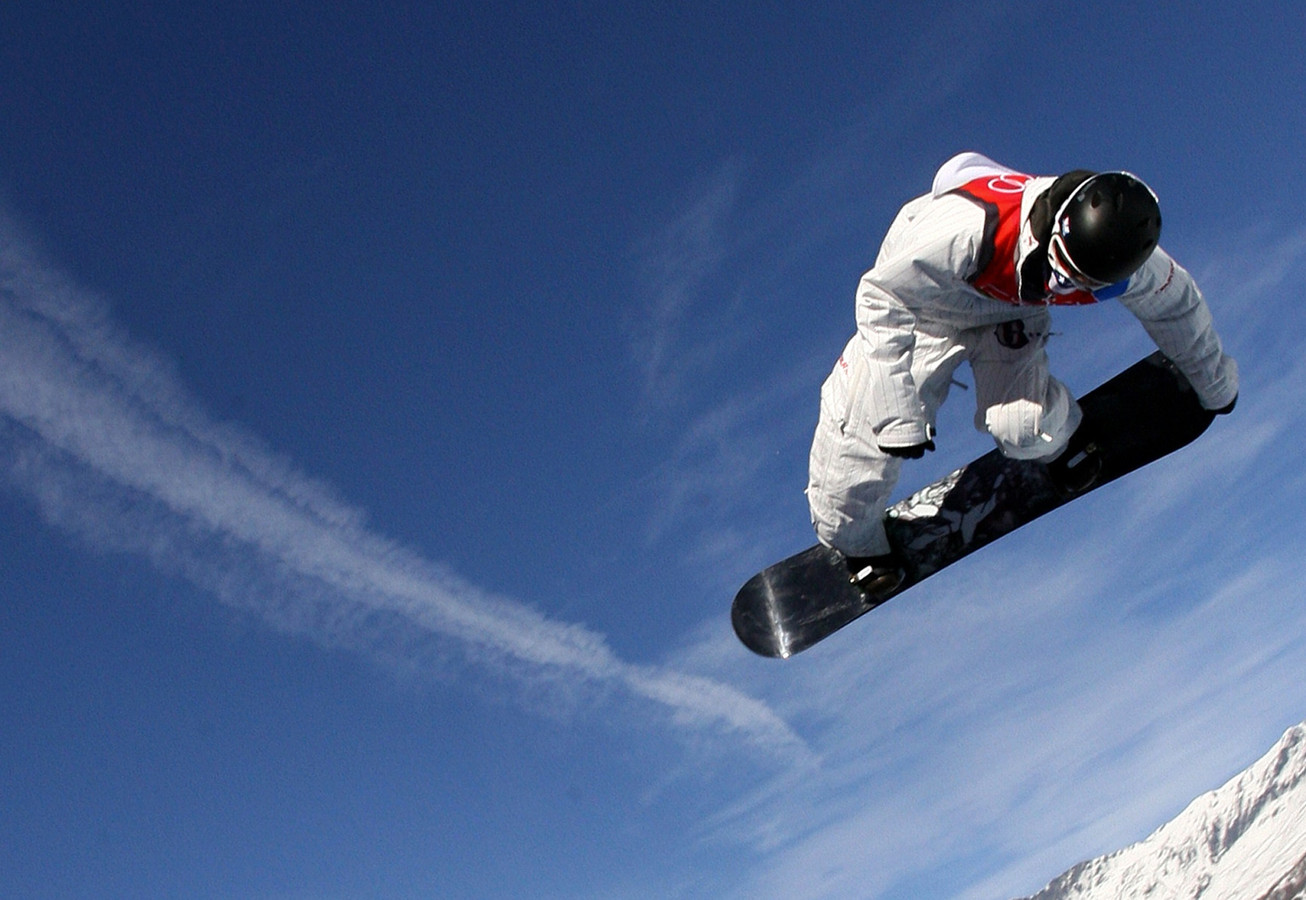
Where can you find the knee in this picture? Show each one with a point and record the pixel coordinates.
(1024, 429)
(1017, 427)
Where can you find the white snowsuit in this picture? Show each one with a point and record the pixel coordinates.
(918, 318)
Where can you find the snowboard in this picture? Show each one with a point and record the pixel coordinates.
(1144, 413)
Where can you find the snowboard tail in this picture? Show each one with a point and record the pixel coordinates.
(1146, 412)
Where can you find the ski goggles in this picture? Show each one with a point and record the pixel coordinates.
(1064, 275)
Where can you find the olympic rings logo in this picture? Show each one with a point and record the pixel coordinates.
(1010, 183)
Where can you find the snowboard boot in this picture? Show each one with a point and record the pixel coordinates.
(1078, 467)
(876, 576)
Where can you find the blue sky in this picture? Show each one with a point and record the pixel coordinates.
(391, 403)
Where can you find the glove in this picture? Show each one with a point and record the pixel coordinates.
(1225, 410)
(915, 451)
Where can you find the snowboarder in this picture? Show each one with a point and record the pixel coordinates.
(967, 272)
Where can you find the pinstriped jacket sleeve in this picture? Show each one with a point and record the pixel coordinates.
(929, 250)
(1172, 310)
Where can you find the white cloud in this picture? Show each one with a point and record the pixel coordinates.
(672, 263)
(99, 432)
(1034, 724)
(1071, 687)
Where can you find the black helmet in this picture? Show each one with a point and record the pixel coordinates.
(1107, 228)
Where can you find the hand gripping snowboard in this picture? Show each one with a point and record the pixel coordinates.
(1144, 413)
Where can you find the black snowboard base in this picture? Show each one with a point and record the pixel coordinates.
(1146, 412)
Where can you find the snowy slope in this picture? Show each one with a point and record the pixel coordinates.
(1245, 841)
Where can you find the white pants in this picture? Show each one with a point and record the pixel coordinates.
(1030, 415)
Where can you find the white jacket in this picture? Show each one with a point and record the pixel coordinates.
(919, 282)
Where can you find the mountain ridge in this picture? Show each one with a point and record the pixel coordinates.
(1245, 840)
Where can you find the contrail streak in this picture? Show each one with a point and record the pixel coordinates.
(100, 433)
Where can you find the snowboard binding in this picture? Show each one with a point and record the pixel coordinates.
(1079, 466)
(876, 576)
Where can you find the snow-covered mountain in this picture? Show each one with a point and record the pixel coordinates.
(1244, 841)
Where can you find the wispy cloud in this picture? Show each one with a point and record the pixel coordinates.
(1070, 687)
(99, 432)
(1026, 723)
(673, 264)
(1066, 689)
